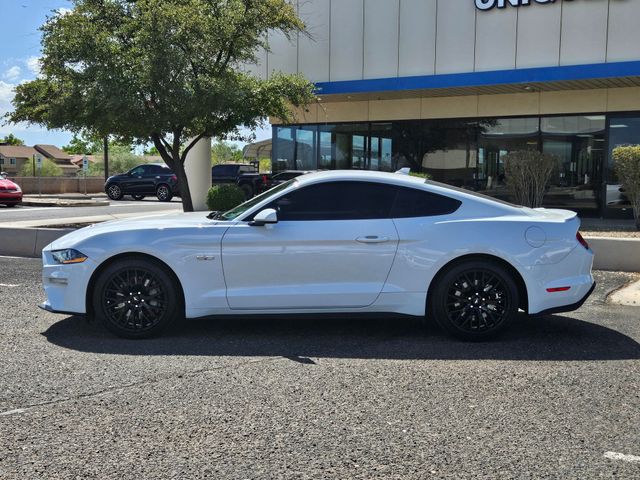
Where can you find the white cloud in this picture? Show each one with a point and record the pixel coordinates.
(13, 73)
(33, 64)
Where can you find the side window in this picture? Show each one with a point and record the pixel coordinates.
(336, 201)
(224, 171)
(412, 202)
(138, 171)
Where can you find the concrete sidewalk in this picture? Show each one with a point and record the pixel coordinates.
(67, 200)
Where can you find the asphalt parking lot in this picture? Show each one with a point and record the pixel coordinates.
(556, 397)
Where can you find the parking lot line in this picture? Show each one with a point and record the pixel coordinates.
(12, 412)
(622, 456)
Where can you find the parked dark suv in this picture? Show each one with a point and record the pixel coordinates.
(148, 179)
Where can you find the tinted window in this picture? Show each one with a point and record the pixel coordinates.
(138, 170)
(247, 169)
(337, 201)
(225, 170)
(411, 202)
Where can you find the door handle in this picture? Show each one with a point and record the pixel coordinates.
(372, 239)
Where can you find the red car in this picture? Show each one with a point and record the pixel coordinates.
(10, 193)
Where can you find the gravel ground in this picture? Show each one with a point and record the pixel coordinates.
(309, 399)
(611, 233)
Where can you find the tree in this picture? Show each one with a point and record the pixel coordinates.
(81, 144)
(12, 140)
(626, 160)
(166, 72)
(121, 160)
(222, 152)
(527, 175)
(49, 169)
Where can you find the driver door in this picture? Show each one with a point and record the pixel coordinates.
(333, 247)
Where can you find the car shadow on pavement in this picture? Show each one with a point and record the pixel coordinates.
(551, 338)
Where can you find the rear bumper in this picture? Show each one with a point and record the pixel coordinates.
(566, 308)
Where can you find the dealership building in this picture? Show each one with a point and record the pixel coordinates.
(449, 87)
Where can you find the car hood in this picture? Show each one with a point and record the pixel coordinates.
(6, 184)
(171, 221)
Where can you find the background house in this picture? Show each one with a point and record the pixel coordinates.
(13, 157)
(59, 157)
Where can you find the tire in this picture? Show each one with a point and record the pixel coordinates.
(163, 193)
(475, 300)
(138, 197)
(114, 192)
(10, 205)
(247, 190)
(153, 301)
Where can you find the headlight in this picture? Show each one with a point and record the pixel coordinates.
(69, 255)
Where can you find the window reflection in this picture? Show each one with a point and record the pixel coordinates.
(623, 130)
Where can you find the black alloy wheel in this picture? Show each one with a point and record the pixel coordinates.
(114, 192)
(137, 197)
(475, 300)
(136, 298)
(163, 192)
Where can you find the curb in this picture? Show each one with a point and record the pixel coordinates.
(28, 242)
(65, 203)
(616, 254)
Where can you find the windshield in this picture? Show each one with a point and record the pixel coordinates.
(243, 207)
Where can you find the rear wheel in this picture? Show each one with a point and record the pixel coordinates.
(114, 192)
(136, 298)
(163, 192)
(137, 197)
(474, 300)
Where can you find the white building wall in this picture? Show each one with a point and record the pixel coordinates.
(381, 38)
(356, 39)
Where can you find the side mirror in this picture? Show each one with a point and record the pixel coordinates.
(264, 217)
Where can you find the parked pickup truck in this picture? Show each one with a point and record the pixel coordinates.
(244, 175)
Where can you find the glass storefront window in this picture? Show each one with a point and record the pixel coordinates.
(284, 151)
(577, 144)
(305, 148)
(496, 139)
(623, 130)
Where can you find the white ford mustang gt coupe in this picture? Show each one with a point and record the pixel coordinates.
(329, 242)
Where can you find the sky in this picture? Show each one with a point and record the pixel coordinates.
(19, 52)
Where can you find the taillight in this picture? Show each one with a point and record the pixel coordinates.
(582, 241)
(264, 179)
(174, 178)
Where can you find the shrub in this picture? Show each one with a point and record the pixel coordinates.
(224, 197)
(49, 169)
(527, 174)
(426, 176)
(626, 161)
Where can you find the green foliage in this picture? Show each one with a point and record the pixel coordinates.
(224, 152)
(626, 161)
(424, 175)
(11, 139)
(224, 197)
(81, 144)
(49, 169)
(527, 174)
(265, 165)
(161, 72)
(121, 160)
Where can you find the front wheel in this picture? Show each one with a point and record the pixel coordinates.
(163, 192)
(114, 192)
(136, 298)
(475, 300)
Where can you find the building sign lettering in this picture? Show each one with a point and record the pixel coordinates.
(489, 4)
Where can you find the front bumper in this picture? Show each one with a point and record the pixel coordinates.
(11, 198)
(65, 285)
